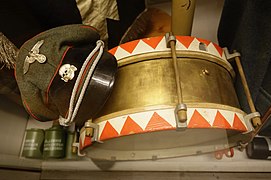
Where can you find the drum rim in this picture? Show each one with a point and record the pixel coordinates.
(171, 152)
(233, 139)
(167, 109)
(161, 107)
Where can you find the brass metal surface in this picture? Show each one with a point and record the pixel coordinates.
(172, 45)
(142, 83)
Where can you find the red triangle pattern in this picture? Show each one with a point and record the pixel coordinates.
(130, 46)
(157, 123)
(153, 42)
(219, 49)
(237, 124)
(108, 132)
(185, 40)
(87, 141)
(220, 121)
(130, 127)
(113, 50)
(198, 121)
(204, 41)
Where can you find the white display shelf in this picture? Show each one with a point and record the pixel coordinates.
(16, 162)
(199, 163)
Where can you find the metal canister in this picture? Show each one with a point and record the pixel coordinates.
(33, 144)
(71, 151)
(259, 148)
(54, 142)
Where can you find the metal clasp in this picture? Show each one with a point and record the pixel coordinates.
(93, 131)
(77, 145)
(181, 116)
(230, 56)
(248, 120)
(170, 37)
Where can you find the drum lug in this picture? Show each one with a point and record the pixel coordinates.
(181, 116)
(170, 37)
(94, 130)
(248, 120)
(78, 151)
(230, 56)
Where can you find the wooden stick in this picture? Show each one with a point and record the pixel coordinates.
(256, 121)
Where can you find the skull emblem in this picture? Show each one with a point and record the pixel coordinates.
(66, 72)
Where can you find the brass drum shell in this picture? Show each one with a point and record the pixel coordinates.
(148, 80)
(139, 122)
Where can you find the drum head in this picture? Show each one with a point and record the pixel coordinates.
(165, 144)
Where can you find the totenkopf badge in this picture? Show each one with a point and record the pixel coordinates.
(34, 55)
(66, 72)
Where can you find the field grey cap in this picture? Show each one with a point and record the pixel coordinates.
(61, 68)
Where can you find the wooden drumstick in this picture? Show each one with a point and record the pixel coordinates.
(256, 120)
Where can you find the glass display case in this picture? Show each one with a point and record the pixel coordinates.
(138, 133)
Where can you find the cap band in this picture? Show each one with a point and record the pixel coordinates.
(75, 104)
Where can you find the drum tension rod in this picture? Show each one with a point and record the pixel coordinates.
(181, 108)
(92, 130)
(256, 121)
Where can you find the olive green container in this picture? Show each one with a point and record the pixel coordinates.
(33, 144)
(54, 142)
(71, 152)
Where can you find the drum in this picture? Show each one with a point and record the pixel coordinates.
(139, 121)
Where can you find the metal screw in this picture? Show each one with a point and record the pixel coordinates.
(205, 72)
